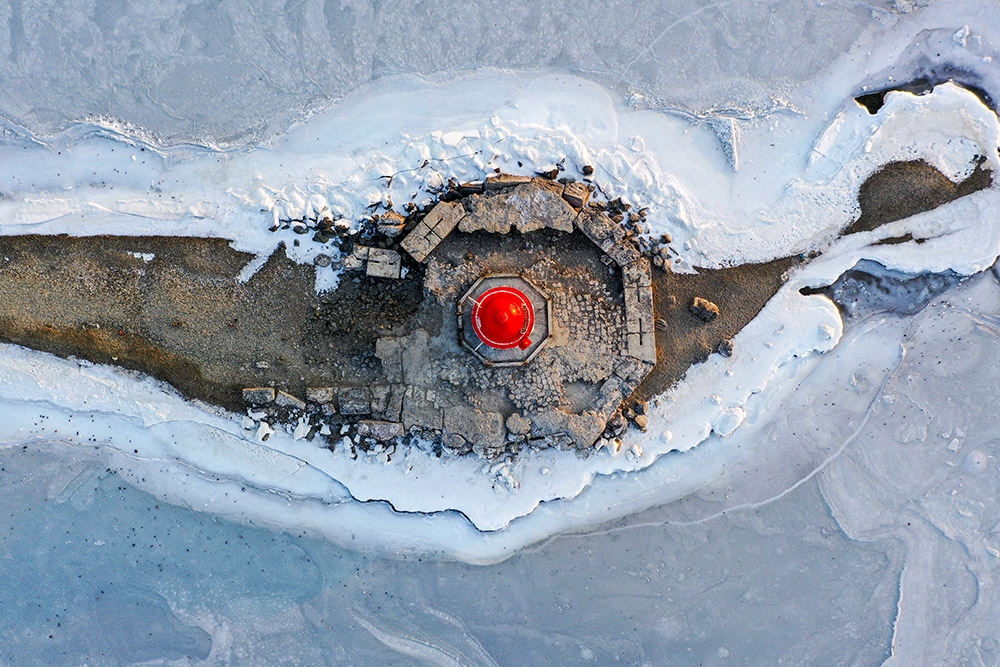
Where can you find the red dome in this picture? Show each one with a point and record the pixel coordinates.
(503, 317)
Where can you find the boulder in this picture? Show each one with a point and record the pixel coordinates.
(703, 309)
(518, 425)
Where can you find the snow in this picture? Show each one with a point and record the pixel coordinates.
(857, 446)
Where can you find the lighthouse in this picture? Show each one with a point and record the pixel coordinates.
(504, 320)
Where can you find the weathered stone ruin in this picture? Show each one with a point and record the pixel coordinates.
(593, 341)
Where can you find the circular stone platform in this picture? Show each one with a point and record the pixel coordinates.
(583, 273)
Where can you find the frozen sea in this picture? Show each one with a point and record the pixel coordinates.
(830, 496)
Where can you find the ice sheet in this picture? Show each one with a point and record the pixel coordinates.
(93, 180)
(234, 73)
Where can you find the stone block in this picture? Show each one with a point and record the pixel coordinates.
(611, 396)
(380, 398)
(390, 352)
(548, 423)
(502, 181)
(380, 431)
(286, 400)
(391, 224)
(645, 310)
(393, 404)
(416, 358)
(417, 410)
(533, 206)
(586, 428)
(624, 252)
(258, 395)
(576, 194)
(443, 218)
(553, 187)
(356, 260)
(320, 395)
(456, 443)
(648, 348)
(487, 214)
(638, 273)
(355, 401)
(641, 346)
(518, 424)
(430, 231)
(383, 263)
(417, 244)
(580, 430)
(631, 310)
(600, 229)
(639, 315)
(480, 428)
(630, 372)
(633, 342)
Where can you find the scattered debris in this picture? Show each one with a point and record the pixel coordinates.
(725, 348)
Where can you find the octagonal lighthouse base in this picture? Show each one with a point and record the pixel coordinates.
(475, 337)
